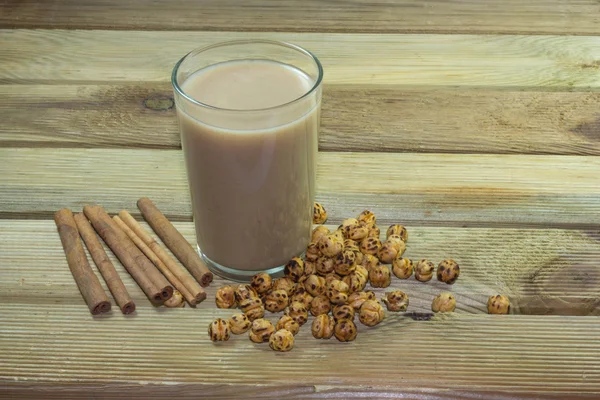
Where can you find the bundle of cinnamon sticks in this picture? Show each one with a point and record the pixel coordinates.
(153, 269)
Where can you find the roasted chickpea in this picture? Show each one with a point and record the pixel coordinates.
(345, 330)
(276, 300)
(498, 304)
(370, 245)
(371, 313)
(315, 285)
(444, 302)
(380, 277)
(320, 305)
(424, 270)
(319, 214)
(287, 322)
(294, 269)
(218, 330)
(298, 312)
(239, 323)
(225, 297)
(396, 300)
(397, 230)
(323, 326)
(402, 268)
(357, 299)
(261, 282)
(261, 330)
(448, 271)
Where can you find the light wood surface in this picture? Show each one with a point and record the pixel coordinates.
(473, 122)
(430, 189)
(479, 351)
(490, 16)
(362, 118)
(428, 60)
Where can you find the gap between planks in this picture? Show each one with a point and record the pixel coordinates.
(398, 16)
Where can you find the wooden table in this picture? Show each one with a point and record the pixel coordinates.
(474, 122)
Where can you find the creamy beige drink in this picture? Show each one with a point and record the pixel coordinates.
(250, 157)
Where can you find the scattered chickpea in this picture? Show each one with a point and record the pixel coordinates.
(253, 308)
(320, 305)
(176, 300)
(380, 277)
(356, 281)
(323, 326)
(362, 271)
(285, 284)
(225, 297)
(310, 267)
(261, 330)
(294, 269)
(301, 295)
(312, 251)
(243, 292)
(319, 214)
(331, 245)
(318, 233)
(282, 340)
(396, 300)
(443, 302)
(370, 245)
(345, 330)
(331, 277)
(392, 248)
(343, 311)
(353, 230)
(498, 304)
(374, 232)
(337, 291)
(367, 218)
(350, 244)
(370, 262)
(315, 285)
(325, 265)
(287, 322)
(448, 271)
(402, 268)
(357, 299)
(239, 323)
(397, 230)
(218, 330)
(298, 312)
(371, 313)
(424, 270)
(276, 301)
(261, 282)
(343, 263)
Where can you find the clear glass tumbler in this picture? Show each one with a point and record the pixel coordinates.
(249, 115)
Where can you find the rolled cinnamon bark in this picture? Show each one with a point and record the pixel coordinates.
(175, 241)
(88, 283)
(105, 266)
(154, 250)
(156, 287)
(177, 284)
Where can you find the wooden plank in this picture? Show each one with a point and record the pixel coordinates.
(354, 118)
(56, 343)
(558, 62)
(397, 16)
(446, 189)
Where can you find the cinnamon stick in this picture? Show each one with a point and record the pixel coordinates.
(137, 264)
(105, 266)
(177, 284)
(175, 241)
(198, 294)
(88, 283)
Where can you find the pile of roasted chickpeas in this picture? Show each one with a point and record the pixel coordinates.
(330, 283)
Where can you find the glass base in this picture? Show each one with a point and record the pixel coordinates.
(237, 275)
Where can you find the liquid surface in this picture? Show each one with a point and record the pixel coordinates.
(252, 190)
(247, 85)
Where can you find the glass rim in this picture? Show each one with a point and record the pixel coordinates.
(199, 50)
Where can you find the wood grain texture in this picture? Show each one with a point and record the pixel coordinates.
(438, 189)
(354, 118)
(396, 16)
(557, 62)
(57, 339)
